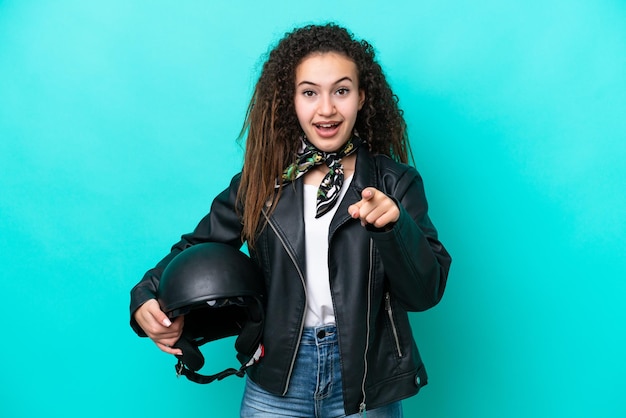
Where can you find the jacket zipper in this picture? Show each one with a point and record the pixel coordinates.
(293, 260)
(393, 323)
(367, 332)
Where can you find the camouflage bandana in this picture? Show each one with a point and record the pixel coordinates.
(309, 156)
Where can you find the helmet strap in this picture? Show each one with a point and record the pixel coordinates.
(182, 369)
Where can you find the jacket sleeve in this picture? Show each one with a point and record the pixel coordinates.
(222, 224)
(415, 262)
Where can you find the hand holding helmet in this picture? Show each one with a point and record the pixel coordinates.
(158, 326)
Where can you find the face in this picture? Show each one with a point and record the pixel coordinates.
(327, 99)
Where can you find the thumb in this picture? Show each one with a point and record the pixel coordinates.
(158, 314)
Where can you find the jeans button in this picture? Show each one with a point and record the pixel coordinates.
(321, 334)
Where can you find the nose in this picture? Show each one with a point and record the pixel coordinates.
(326, 105)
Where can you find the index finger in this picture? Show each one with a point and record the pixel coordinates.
(368, 193)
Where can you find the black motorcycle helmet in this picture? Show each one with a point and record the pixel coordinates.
(220, 291)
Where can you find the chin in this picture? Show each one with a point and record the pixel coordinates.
(329, 144)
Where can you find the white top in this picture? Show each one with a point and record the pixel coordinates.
(319, 301)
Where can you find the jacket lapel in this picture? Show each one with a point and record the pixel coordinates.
(288, 219)
(364, 176)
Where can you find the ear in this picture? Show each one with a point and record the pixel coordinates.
(361, 98)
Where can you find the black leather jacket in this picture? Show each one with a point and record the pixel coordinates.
(376, 277)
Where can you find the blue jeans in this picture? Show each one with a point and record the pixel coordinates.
(315, 389)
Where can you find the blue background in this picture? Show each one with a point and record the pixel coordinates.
(118, 122)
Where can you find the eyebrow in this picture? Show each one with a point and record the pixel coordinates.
(346, 78)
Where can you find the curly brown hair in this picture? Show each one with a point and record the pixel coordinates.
(271, 125)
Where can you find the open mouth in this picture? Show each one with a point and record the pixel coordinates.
(327, 126)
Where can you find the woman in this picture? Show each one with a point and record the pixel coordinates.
(338, 223)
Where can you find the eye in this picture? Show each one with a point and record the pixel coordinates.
(308, 93)
(342, 91)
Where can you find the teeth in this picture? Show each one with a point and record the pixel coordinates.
(327, 125)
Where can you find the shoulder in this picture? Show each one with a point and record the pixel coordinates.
(391, 173)
(387, 164)
(229, 194)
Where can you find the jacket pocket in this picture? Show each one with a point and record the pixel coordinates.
(392, 324)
